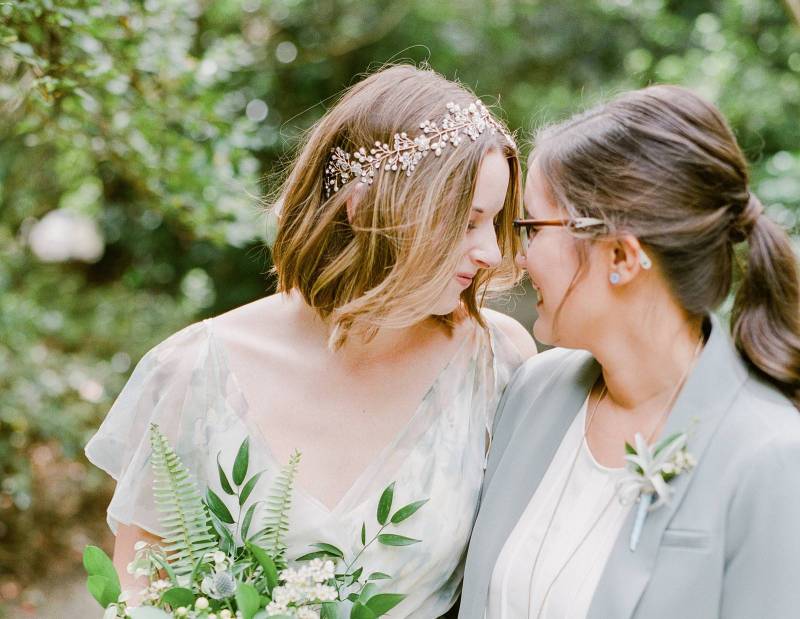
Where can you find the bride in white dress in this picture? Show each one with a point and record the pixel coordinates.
(374, 359)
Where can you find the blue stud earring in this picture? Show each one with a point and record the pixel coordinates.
(644, 260)
(614, 278)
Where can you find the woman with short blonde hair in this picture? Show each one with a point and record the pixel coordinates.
(374, 358)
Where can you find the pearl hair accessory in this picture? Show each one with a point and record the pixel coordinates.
(406, 152)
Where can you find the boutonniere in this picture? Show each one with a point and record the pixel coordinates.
(650, 470)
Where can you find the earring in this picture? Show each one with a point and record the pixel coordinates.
(644, 260)
(614, 278)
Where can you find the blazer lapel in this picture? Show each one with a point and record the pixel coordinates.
(518, 470)
(698, 410)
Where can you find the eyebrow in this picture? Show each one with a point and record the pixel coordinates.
(478, 210)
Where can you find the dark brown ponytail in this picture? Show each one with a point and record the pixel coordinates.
(662, 164)
(766, 313)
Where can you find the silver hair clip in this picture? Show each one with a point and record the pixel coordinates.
(406, 153)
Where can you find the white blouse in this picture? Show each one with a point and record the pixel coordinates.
(186, 386)
(587, 523)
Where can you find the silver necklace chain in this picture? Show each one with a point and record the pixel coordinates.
(588, 532)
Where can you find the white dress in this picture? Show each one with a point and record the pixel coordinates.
(185, 385)
(589, 519)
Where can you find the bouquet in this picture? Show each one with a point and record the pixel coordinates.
(210, 565)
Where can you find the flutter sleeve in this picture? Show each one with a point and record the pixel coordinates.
(176, 386)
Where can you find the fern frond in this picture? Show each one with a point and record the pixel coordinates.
(185, 518)
(276, 512)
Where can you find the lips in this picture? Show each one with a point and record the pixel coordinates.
(465, 279)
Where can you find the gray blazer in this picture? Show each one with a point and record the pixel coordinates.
(728, 545)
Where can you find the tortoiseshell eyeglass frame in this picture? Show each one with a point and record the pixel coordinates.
(524, 226)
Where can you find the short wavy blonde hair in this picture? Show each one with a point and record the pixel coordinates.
(393, 260)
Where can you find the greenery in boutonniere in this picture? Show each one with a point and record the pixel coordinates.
(210, 565)
(650, 470)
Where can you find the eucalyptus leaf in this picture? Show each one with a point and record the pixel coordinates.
(218, 507)
(247, 599)
(407, 511)
(390, 539)
(223, 479)
(357, 574)
(363, 533)
(385, 504)
(178, 596)
(382, 603)
(241, 462)
(248, 488)
(378, 576)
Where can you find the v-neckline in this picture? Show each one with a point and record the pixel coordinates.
(353, 488)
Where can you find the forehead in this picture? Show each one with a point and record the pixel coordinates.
(491, 184)
(538, 202)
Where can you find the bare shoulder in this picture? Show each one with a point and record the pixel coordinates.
(513, 330)
(265, 317)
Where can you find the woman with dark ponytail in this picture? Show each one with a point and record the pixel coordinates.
(648, 466)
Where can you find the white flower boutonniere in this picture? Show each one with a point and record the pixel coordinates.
(650, 469)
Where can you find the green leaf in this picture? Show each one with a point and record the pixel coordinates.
(378, 576)
(356, 575)
(367, 592)
(148, 612)
(248, 518)
(385, 504)
(248, 488)
(178, 596)
(317, 554)
(98, 563)
(389, 539)
(329, 610)
(268, 565)
(363, 533)
(382, 603)
(629, 449)
(359, 611)
(102, 589)
(247, 599)
(226, 541)
(330, 549)
(164, 565)
(218, 507)
(240, 464)
(407, 511)
(223, 479)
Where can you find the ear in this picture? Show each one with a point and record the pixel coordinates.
(357, 193)
(627, 259)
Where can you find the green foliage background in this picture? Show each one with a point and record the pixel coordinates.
(163, 121)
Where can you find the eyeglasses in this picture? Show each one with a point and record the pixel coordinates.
(528, 228)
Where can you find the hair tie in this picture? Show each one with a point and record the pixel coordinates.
(743, 225)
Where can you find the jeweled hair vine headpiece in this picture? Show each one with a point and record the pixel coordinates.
(407, 152)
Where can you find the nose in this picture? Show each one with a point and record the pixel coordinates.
(486, 255)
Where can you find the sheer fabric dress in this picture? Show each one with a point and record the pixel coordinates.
(185, 385)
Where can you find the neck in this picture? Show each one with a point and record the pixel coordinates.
(361, 347)
(644, 364)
